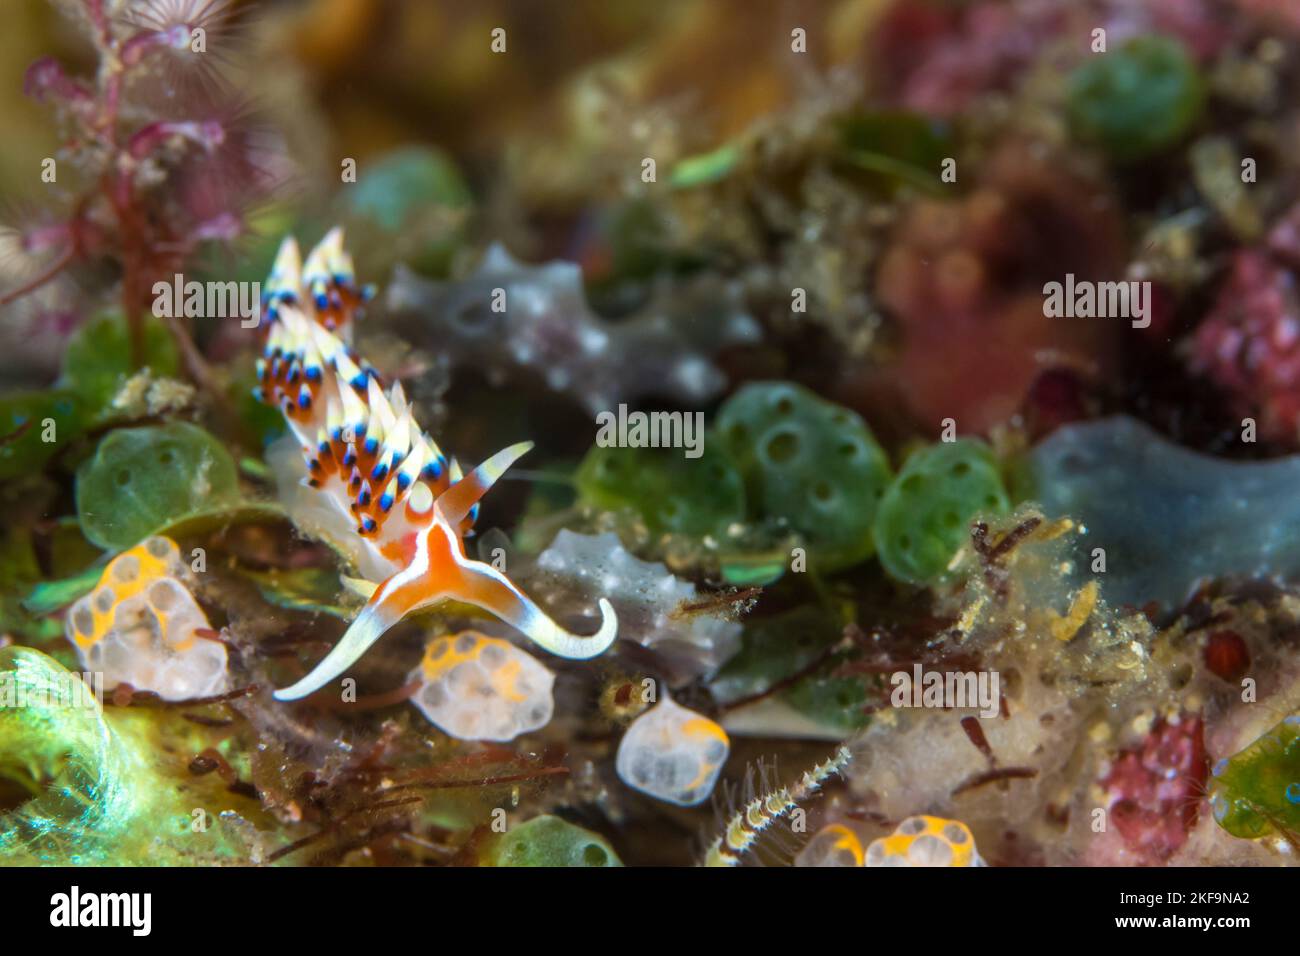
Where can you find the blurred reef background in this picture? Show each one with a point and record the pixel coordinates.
(828, 227)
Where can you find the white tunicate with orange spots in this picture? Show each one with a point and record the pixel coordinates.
(672, 754)
(140, 624)
(834, 845)
(475, 687)
(925, 841)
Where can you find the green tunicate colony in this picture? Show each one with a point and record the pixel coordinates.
(144, 479)
(1137, 100)
(550, 841)
(670, 492)
(811, 463)
(174, 478)
(925, 516)
(779, 456)
(783, 458)
(1256, 792)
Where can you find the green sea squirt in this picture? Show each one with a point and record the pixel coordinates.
(810, 462)
(925, 515)
(1256, 792)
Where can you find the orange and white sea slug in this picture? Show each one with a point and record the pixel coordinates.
(384, 493)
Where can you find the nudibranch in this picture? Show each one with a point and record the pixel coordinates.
(389, 498)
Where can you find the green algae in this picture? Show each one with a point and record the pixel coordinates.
(313, 590)
(796, 647)
(35, 425)
(704, 168)
(99, 796)
(893, 148)
(774, 649)
(754, 569)
(19, 571)
(98, 360)
(1256, 792)
(25, 427)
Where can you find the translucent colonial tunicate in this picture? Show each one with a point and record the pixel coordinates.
(835, 845)
(548, 327)
(475, 687)
(140, 625)
(672, 754)
(1162, 516)
(647, 597)
(925, 841)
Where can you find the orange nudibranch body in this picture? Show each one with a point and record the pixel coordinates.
(391, 498)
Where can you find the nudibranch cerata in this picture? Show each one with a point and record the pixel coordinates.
(390, 499)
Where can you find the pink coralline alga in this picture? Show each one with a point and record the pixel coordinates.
(1249, 344)
(1153, 791)
(963, 279)
(938, 58)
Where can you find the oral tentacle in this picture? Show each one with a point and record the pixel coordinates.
(394, 502)
(388, 605)
(484, 586)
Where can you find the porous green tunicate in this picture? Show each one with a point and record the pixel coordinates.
(1138, 99)
(1256, 792)
(925, 515)
(810, 462)
(144, 479)
(671, 492)
(550, 841)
